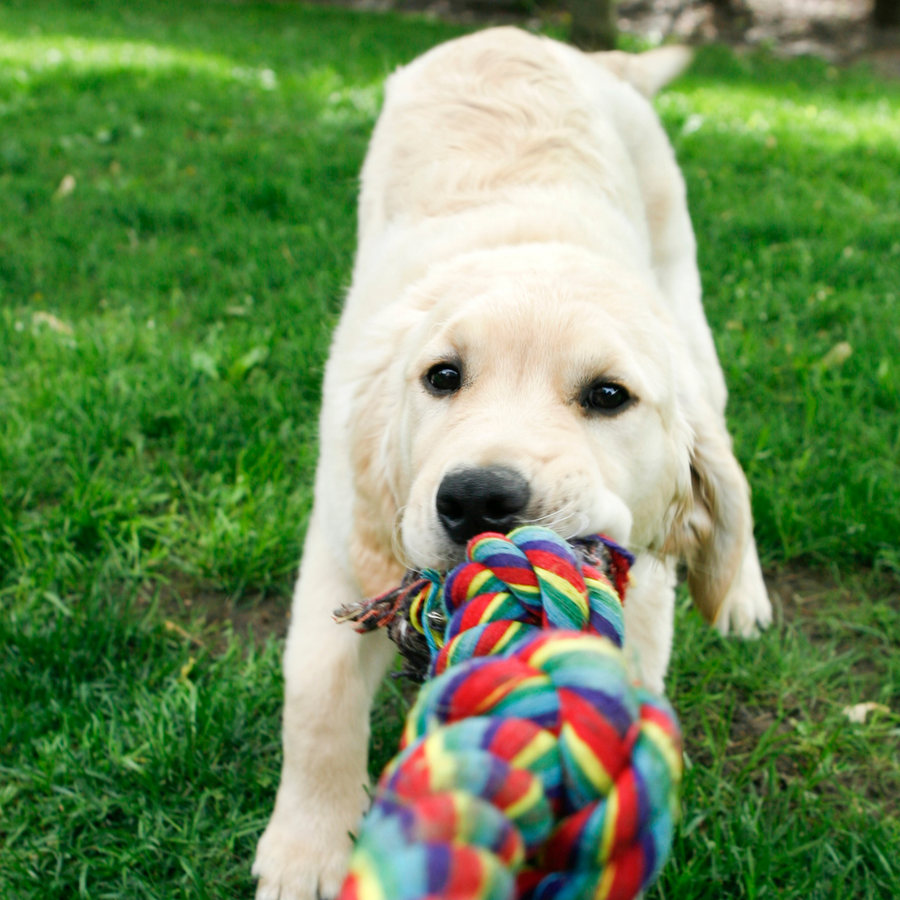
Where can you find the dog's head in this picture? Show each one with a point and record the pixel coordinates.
(538, 384)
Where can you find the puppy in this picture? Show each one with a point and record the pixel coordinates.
(523, 341)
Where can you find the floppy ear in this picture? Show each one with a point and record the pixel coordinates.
(648, 72)
(716, 524)
(375, 435)
(375, 505)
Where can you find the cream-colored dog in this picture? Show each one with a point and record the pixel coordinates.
(523, 341)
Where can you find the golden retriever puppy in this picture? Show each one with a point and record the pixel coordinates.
(523, 341)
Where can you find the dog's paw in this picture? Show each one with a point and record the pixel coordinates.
(301, 861)
(745, 613)
(746, 608)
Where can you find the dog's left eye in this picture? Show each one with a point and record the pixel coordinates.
(443, 378)
(605, 397)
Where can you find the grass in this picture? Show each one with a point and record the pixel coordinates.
(163, 325)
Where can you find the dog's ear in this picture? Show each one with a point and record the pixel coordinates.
(376, 397)
(715, 523)
(375, 504)
(648, 72)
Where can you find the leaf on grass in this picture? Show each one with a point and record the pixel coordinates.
(239, 310)
(169, 625)
(836, 356)
(57, 602)
(52, 322)
(858, 712)
(66, 186)
(201, 361)
(693, 123)
(186, 668)
(253, 357)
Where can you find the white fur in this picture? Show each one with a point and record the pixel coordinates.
(521, 211)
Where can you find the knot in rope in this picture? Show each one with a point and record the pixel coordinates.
(513, 586)
(530, 765)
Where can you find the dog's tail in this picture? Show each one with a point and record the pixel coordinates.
(648, 72)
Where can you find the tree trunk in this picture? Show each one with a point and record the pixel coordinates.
(594, 24)
(730, 16)
(886, 14)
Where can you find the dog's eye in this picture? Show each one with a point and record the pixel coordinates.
(443, 378)
(605, 397)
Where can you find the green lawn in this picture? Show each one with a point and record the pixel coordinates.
(177, 194)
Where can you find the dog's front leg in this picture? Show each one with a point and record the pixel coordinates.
(746, 607)
(331, 674)
(650, 619)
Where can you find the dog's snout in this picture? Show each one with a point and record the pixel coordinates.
(470, 501)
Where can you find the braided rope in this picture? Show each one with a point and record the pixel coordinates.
(530, 765)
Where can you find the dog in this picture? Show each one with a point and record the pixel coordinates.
(523, 342)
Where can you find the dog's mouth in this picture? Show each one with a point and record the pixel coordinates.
(440, 552)
(571, 526)
(395, 609)
(445, 554)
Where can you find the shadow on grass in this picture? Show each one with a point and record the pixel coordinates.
(293, 40)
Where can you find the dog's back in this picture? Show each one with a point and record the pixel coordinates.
(484, 116)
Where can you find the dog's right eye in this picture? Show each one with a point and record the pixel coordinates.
(443, 378)
(606, 397)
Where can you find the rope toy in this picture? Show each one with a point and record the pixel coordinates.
(530, 765)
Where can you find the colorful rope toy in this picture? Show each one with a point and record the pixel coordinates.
(530, 766)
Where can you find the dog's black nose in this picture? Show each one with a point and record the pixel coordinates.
(470, 501)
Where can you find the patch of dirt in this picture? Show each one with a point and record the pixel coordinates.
(799, 593)
(826, 609)
(794, 590)
(198, 613)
